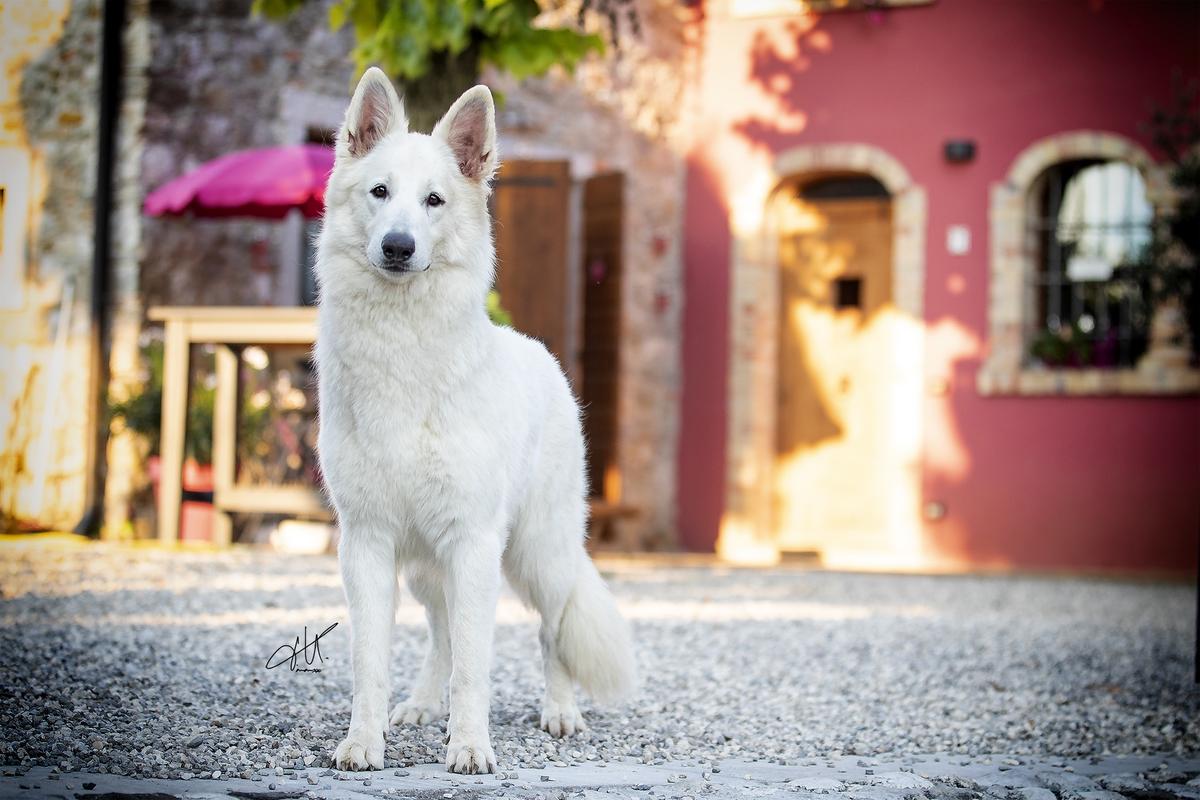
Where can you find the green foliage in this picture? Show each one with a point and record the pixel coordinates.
(1166, 271)
(1068, 347)
(495, 311)
(406, 37)
(141, 411)
(1169, 269)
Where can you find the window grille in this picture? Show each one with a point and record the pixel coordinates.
(1092, 219)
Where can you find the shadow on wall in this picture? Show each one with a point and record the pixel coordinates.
(777, 58)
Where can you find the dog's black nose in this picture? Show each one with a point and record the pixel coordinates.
(398, 247)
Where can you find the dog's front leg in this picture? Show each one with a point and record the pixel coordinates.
(368, 561)
(472, 587)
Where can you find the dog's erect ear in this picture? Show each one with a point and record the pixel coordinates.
(469, 127)
(374, 112)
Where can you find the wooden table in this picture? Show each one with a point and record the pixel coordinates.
(229, 329)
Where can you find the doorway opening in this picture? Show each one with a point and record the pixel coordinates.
(835, 389)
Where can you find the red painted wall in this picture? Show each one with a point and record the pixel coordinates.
(1047, 482)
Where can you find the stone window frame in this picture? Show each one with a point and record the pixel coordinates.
(1006, 370)
(746, 533)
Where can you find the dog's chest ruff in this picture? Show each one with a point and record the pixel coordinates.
(409, 449)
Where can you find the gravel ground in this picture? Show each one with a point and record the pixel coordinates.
(146, 663)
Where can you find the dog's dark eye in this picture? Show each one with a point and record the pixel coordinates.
(434, 200)
(379, 191)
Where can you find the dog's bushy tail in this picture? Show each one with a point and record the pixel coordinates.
(594, 642)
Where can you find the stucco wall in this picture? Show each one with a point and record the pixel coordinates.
(220, 80)
(1107, 482)
(48, 115)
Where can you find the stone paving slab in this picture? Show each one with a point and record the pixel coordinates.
(944, 777)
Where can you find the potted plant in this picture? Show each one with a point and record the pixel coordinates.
(141, 413)
(1067, 347)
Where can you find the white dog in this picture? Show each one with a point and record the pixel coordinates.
(451, 447)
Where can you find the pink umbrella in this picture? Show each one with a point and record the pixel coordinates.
(266, 183)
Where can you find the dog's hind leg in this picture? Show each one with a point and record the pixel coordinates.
(426, 703)
(583, 637)
(560, 713)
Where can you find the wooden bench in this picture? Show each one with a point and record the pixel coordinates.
(602, 515)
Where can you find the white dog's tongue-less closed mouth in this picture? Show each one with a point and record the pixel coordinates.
(404, 270)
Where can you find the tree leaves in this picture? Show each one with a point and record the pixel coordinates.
(405, 37)
(276, 9)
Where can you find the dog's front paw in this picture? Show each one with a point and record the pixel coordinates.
(411, 712)
(360, 750)
(562, 720)
(470, 756)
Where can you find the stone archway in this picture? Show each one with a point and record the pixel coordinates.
(746, 528)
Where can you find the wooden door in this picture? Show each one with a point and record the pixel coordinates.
(836, 375)
(600, 356)
(530, 207)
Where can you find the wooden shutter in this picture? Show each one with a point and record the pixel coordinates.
(530, 206)
(600, 359)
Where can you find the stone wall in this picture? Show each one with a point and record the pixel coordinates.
(202, 79)
(219, 80)
(48, 119)
(624, 112)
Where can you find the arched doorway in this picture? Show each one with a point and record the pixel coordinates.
(751, 525)
(836, 378)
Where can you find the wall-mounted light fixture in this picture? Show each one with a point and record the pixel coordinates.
(959, 151)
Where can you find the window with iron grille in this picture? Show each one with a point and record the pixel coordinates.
(1092, 218)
